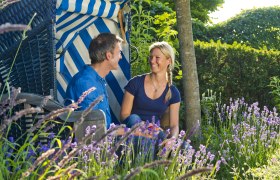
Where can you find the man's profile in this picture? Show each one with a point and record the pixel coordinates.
(105, 53)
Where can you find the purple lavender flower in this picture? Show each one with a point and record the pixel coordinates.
(218, 165)
(182, 134)
(11, 139)
(223, 160)
(73, 145)
(30, 154)
(44, 148)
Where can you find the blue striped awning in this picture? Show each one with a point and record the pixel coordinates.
(77, 23)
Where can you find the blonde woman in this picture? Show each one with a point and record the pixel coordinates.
(152, 96)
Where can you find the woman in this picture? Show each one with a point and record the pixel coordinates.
(152, 96)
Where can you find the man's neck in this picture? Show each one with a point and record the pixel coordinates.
(101, 69)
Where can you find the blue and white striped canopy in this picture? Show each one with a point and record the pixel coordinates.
(77, 23)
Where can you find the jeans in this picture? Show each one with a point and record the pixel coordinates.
(132, 120)
(145, 142)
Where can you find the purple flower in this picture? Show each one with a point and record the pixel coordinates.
(87, 131)
(11, 139)
(223, 160)
(163, 151)
(85, 158)
(30, 154)
(51, 135)
(44, 148)
(182, 134)
(218, 165)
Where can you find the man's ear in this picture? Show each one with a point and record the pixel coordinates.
(108, 55)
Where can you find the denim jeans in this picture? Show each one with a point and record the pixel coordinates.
(132, 120)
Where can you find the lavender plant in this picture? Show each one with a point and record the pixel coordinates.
(112, 156)
(243, 135)
(175, 161)
(269, 171)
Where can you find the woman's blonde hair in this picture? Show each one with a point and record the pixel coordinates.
(168, 51)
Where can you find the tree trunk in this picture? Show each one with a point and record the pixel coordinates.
(188, 62)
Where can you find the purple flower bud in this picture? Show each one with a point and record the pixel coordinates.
(11, 139)
(218, 165)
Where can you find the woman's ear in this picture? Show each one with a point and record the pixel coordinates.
(169, 61)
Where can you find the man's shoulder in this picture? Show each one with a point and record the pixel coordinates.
(81, 79)
(84, 74)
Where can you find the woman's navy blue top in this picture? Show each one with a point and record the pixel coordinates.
(147, 108)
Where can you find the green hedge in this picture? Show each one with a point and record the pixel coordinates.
(237, 70)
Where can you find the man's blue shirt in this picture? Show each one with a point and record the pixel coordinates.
(85, 79)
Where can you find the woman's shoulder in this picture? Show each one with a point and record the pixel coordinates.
(175, 90)
(135, 83)
(173, 87)
(138, 77)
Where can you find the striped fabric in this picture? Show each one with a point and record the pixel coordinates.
(77, 23)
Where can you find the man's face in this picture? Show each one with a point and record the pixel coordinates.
(116, 56)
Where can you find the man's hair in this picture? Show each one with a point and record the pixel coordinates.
(100, 45)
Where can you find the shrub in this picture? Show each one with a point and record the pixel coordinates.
(257, 28)
(275, 90)
(236, 70)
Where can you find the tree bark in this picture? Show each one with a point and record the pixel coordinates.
(188, 62)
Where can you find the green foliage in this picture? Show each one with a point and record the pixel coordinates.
(165, 23)
(258, 28)
(200, 31)
(236, 70)
(275, 90)
(200, 9)
(142, 35)
(208, 102)
(269, 171)
(148, 28)
(156, 21)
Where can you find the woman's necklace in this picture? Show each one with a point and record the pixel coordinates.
(155, 87)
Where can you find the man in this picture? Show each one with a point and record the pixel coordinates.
(105, 53)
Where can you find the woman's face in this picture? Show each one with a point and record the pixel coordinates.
(158, 61)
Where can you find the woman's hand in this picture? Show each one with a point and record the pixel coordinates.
(166, 147)
(154, 127)
(168, 143)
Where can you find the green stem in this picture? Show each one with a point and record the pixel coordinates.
(23, 38)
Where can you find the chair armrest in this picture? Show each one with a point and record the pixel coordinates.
(35, 99)
(94, 117)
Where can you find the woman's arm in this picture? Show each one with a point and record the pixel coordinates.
(174, 119)
(127, 104)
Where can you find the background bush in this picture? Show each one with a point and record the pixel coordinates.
(258, 28)
(237, 70)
